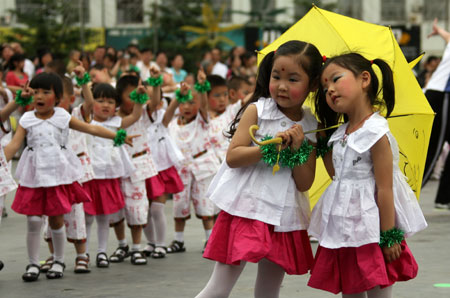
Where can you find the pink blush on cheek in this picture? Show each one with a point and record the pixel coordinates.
(272, 89)
(97, 109)
(295, 93)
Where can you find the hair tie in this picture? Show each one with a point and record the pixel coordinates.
(371, 62)
(324, 58)
(274, 52)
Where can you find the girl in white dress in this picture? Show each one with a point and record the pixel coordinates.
(264, 216)
(47, 171)
(362, 218)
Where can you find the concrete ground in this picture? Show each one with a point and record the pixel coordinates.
(185, 274)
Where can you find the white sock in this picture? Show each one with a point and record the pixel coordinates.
(207, 234)
(222, 280)
(123, 242)
(82, 255)
(89, 219)
(377, 292)
(268, 280)
(135, 247)
(59, 241)
(149, 230)
(159, 222)
(34, 224)
(179, 236)
(102, 232)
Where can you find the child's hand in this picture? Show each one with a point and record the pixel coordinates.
(154, 72)
(296, 136)
(286, 139)
(435, 29)
(392, 253)
(141, 88)
(27, 90)
(185, 87)
(201, 76)
(129, 139)
(79, 70)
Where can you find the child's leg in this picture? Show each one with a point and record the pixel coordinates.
(119, 230)
(181, 212)
(377, 292)
(357, 295)
(137, 257)
(59, 239)
(149, 232)
(204, 208)
(89, 221)
(159, 220)
(34, 224)
(269, 279)
(222, 280)
(103, 235)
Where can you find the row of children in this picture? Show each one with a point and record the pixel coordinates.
(116, 181)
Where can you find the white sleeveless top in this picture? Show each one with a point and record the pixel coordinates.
(109, 161)
(253, 192)
(164, 149)
(347, 214)
(47, 160)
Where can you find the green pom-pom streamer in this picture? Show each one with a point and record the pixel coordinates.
(120, 137)
(134, 68)
(322, 147)
(269, 152)
(140, 98)
(155, 82)
(291, 159)
(202, 88)
(22, 101)
(84, 80)
(390, 237)
(183, 98)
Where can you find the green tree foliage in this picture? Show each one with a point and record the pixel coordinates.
(50, 24)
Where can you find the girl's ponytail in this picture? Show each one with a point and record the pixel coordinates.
(388, 85)
(261, 89)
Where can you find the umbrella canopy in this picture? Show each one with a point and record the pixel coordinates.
(412, 117)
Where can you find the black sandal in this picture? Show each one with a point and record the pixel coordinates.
(149, 249)
(176, 246)
(119, 255)
(1, 265)
(47, 265)
(53, 274)
(82, 265)
(138, 258)
(159, 252)
(31, 276)
(102, 262)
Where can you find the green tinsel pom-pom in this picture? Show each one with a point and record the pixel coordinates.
(291, 159)
(269, 152)
(202, 88)
(22, 101)
(390, 237)
(183, 98)
(155, 82)
(84, 80)
(140, 98)
(120, 137)
(322, 147)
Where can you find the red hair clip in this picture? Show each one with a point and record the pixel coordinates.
(371, 62)
(324, 58)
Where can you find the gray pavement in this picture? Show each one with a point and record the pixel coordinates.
(185, 274)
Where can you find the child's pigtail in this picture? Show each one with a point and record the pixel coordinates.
(388, 85)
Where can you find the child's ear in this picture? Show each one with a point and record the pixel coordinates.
(366, 79)
(231, 93)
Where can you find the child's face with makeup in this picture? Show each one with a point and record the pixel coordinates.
(104, 108)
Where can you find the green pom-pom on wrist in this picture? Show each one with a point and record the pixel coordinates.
(84, 80)
(22, 101)
(291, 159)
(183, 98)
(120, 137)
(390, 237)
(269, 152)
(322, 147)
(155, 82)
(202, 88)
(140, 98)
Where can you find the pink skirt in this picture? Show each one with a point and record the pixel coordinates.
(107, 197)
(50, 201)
(167, 181)
(352, 270)
(236, 239)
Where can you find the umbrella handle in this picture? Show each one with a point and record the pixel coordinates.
(278, 141)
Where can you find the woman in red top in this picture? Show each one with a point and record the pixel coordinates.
(16, 78)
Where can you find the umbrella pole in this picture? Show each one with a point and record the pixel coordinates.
(441, 139)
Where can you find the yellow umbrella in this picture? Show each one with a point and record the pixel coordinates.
(412, 117)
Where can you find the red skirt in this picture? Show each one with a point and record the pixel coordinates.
(167, 181)
(352, 270)
(50, 201)
(236, 239)
(107, 197)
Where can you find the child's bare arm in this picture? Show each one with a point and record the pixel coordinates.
(7, 110)
(201, 78)
(85, 89)
(156, 90)
(15, 143)
(137, 109)
(168, 115)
